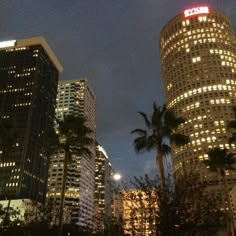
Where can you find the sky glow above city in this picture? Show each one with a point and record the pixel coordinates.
(114, 44)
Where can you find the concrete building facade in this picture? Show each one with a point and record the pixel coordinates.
(29, 73)
(75, 97)
(138, 211)
(198, 58)
(103, 187)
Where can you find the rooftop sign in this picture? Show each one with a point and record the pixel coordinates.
(6, 44)
(196, 11)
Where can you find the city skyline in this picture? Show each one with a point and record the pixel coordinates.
(113, 45)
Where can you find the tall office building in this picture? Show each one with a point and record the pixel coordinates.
(103, 186)
(28, 85)
(198, 58)
(75, 97)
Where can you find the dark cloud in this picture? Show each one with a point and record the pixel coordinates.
(115, 45)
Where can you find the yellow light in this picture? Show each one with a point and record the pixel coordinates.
(116, 176)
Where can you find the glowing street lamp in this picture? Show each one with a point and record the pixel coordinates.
(116, 176)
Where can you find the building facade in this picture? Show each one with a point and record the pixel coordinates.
(75, 97)
(103, 187)
(198, 58)
(29, 73)
(138, 212)
(232, 195)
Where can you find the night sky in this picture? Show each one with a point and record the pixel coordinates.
(114, 44)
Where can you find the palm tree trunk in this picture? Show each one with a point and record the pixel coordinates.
(160, 166)
(63, 190)
(231, 216)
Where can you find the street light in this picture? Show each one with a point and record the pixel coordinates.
(116, 176)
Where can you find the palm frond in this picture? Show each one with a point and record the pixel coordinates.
(230, 161)
(164, 108)
(147, 122)
(157, 117)
(140, 132)
(151, 142)
(220, 159)
(51, 142)
(209, 165)
(80, 151)
(234, 110)
(179, 139)
(171, 120)
(140, 144)
(155, 107)
(75, 140)
(165, 131)
(74, 134)
(166, 149)
(232, 139)
(231, 125)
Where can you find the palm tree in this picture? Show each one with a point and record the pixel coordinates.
(219, 160)
(160, 127)
(74, 139)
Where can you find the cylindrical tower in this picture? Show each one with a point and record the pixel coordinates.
(198, 57)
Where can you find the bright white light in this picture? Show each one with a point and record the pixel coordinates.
(9, 43)
(116, 176)
(101, 149)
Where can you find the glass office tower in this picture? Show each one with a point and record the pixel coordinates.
(28, 86)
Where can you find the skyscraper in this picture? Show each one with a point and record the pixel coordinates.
(28, 85)
(103, 186)
(75, 97)
(198, 58)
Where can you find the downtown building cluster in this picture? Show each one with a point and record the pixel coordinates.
(198, 62)
(32, 99)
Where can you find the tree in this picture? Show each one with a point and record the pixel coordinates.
(183, 209)
(140, 208)
(8, 147)
(161, 126)
(74, 139)
(219, 160)
(116, 227)
(189, 210)
(9, 217)
(51, 143)
(40, 214)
